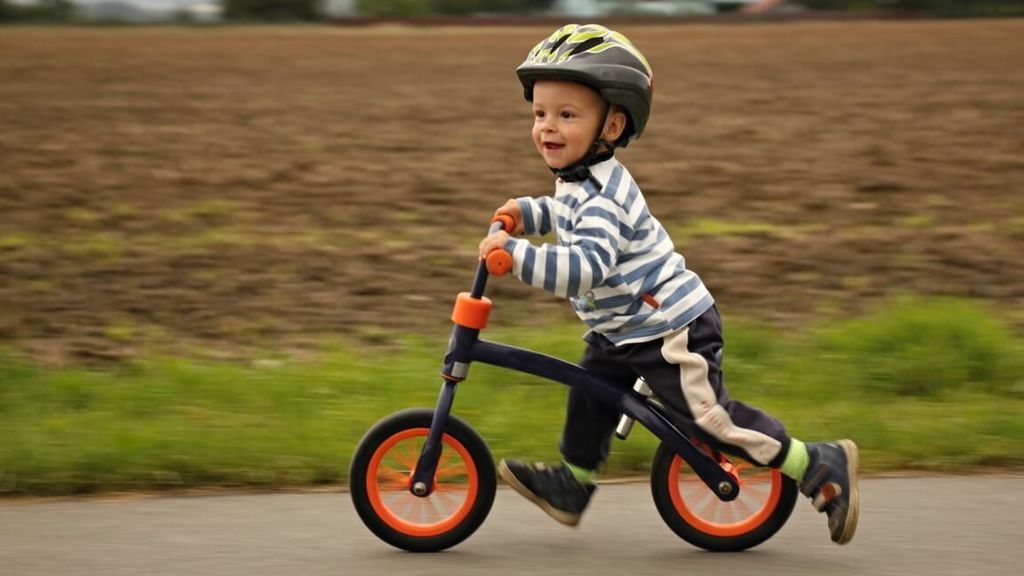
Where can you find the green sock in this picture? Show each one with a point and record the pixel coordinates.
(582, 474)
(796, 460)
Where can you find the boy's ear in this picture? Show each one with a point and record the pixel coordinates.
(614, 124)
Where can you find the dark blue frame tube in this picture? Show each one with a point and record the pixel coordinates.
(627, 401)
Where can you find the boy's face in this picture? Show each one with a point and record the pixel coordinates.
(566, 116)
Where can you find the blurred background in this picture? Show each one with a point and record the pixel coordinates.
(226, 249)
(197, 11)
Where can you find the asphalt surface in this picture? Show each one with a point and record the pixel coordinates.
(908, 526)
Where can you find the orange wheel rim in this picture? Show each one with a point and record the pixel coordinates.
(760, 491)
(387, 485)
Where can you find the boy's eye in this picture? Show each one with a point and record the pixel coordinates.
(567, 114)
(538, 114)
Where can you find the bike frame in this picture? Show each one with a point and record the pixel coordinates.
(466, 347)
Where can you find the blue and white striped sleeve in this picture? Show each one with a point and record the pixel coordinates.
(570, 271)
(536, 214)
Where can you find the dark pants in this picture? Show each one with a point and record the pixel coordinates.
(684, 371)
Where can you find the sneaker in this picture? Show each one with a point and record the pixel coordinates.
(831, 483)
(553, 488)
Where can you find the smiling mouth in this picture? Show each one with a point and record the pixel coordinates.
(553, 146)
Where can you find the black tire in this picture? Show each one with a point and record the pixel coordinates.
(693, 512)
(381, 467)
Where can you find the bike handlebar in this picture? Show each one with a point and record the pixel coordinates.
(499, 261)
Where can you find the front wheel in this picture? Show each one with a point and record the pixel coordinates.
(693, 511)
(382, 468)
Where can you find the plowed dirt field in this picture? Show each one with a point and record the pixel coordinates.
(222, 191)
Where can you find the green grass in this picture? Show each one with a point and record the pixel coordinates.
(934, 385)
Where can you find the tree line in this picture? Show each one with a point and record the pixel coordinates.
(946, 8)
(312, 10)
(44, 11)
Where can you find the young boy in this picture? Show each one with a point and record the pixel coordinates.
(649, 316)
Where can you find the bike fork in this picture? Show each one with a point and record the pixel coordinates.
(422, 483)
(464, 337)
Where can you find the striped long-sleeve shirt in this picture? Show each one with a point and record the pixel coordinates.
(611, 253)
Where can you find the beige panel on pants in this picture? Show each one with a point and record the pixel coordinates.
(702, 400)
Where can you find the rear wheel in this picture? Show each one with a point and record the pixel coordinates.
(382, 467)
(693, 511)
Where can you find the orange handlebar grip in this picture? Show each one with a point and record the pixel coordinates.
(507, 221)
(499, 262)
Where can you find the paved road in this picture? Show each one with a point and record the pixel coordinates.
(909, 526)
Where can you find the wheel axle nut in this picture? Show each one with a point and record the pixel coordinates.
(724, 487)
(419, 489)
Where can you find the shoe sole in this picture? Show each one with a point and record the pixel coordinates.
(567, 518)
(853, 512)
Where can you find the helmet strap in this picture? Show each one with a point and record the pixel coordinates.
(600, 150)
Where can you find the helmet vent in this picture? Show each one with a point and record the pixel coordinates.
(586, 45)
(560, 42)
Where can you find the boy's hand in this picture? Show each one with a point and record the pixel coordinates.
(511, 208)
(493, 242)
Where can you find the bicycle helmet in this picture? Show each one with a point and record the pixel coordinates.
(600, 58)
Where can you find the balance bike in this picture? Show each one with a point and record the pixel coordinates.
(423, 480)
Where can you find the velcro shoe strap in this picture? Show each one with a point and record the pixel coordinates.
(813, 478)
(829, 491)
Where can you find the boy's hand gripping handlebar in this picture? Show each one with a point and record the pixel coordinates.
(499, 261)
